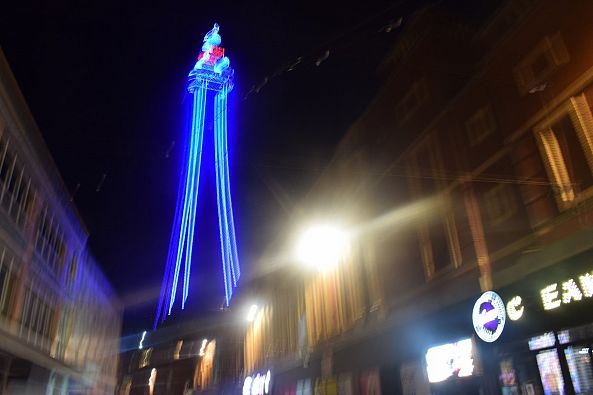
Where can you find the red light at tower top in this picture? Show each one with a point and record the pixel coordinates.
(213, 57)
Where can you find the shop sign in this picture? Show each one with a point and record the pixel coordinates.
(515, 308)
(571, 290)
(489, 316)
(450, 360)
(257, 384)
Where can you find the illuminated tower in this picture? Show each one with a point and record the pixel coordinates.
(210, 79)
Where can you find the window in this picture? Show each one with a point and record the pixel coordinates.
(6, 161)
(579, 365)
(412, 101)
(438, 238)
(7, 281)
(500, 203)
(566, 143)
(16, 194)
(50, 241)
(407, 44)
(480, 125)
(541, 63)
(70, 280)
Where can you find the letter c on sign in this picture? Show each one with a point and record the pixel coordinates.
(515, 308)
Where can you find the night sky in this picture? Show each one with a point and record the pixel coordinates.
(106, 83)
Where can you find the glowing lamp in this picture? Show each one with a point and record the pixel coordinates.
(322, 246)
(251, 313)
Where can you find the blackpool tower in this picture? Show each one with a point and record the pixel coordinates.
(210, 80)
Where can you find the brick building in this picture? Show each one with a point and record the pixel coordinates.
(471, 170)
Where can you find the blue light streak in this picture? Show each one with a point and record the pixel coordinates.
(186, 231)
(219, 197)
(167, 286)
(236, 271)
(199, 127)
(230, 261)
(212, 72)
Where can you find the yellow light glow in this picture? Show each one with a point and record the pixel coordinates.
(178, 349)
(203, 348)
(550, 298)
(514, 308)
(152, 381)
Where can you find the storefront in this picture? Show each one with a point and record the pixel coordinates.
(321, 377)
(546, 347)
(538, 340)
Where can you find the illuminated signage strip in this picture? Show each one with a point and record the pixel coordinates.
(257, 384)
(553, 296)
(450, 360)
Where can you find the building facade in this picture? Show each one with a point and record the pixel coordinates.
(471, 170)
(201, 356)
(60, 320)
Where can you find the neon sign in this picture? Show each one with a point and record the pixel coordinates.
(489, 316)
(514, 308)
(450, 360)
(257, 385)
(553, 296)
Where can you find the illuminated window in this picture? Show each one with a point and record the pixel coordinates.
(412, 101)
(500, 203)
(550, 372)
(177, 349)
(480, 125)
(145, 358)
(579, 365)
(566, 142)
(541, 63)
(151, 381)
(542, 341)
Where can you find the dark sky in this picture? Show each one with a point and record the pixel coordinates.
(106, 84)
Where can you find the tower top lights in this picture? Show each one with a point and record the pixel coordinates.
(212, 69)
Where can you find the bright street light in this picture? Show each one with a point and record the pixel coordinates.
(322, 246)
(251, 313)
(203, 348)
